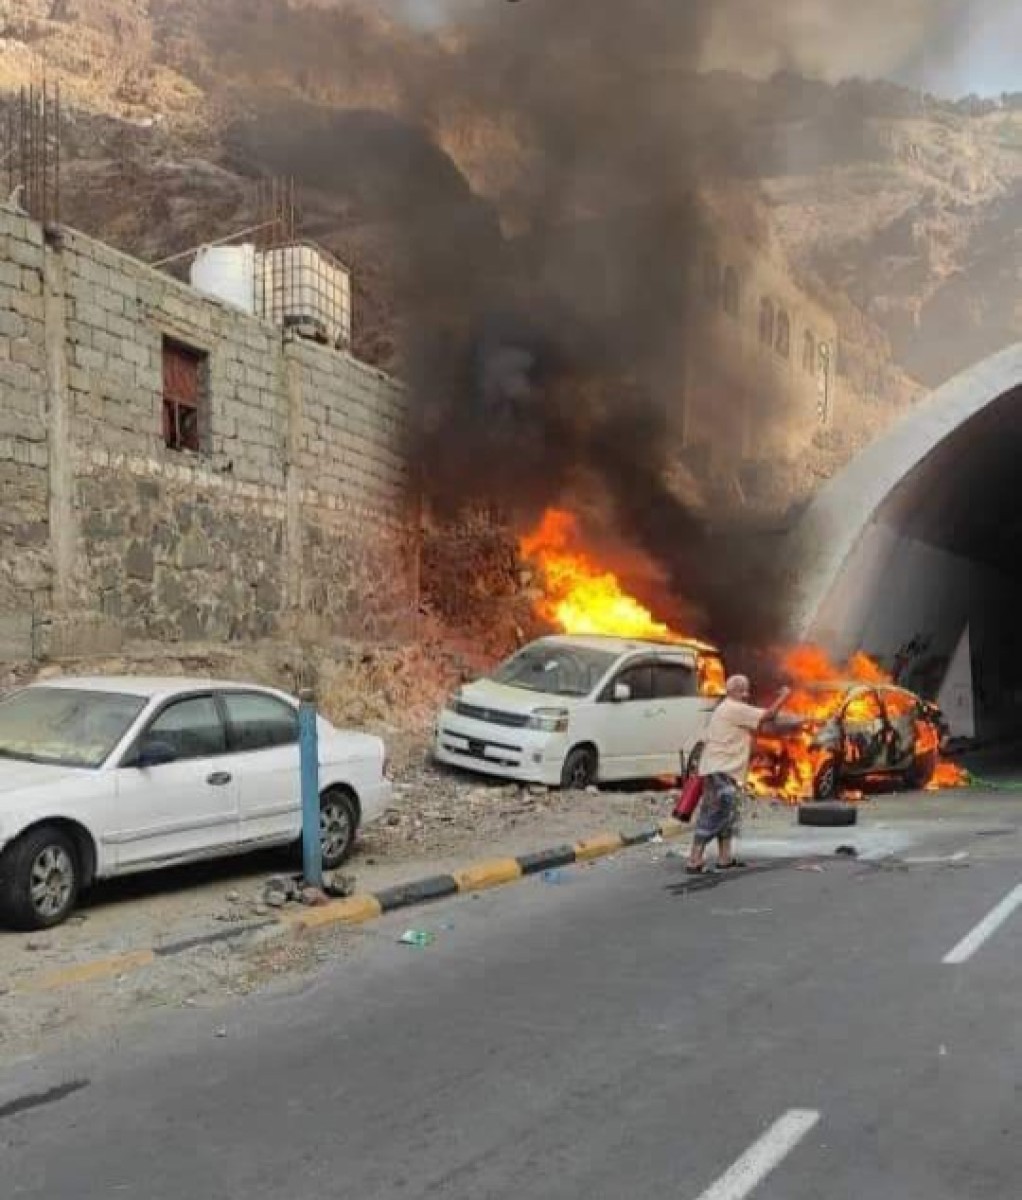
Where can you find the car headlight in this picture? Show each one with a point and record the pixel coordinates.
(549, 720)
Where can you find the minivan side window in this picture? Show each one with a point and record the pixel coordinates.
(673, 679)
(259, 722)
(639, 678)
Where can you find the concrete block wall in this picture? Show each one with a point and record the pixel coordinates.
(294, 517)
(25, 566)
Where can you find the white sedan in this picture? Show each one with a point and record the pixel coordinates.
(103, 777)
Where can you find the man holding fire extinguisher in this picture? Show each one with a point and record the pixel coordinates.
(724, 768)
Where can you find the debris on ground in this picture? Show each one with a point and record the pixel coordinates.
(339, 884)
(846, 852)
(281, 889)
(417, 937)
(891, 863)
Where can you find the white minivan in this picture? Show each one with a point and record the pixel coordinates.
(572, 710)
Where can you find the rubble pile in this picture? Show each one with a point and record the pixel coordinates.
(438, 812)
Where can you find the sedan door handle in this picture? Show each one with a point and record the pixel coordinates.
(219, 779)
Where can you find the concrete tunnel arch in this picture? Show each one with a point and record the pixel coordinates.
(913, 552)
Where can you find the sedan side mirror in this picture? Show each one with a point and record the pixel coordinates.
(621, 693)
(154, 754)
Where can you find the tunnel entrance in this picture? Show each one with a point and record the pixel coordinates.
(914, 554)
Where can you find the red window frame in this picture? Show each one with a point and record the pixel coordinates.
(183, 369)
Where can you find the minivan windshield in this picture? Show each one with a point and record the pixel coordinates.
(66, 727)
(556, 668)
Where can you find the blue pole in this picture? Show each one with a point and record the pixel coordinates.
(308, 754)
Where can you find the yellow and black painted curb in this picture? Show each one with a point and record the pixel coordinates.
(367, 906)
(476, 877)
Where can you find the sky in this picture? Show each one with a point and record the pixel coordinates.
(987, 63)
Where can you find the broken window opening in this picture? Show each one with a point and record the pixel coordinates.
(783, 343)
(809, 353)
(183, 396)
(766, 322)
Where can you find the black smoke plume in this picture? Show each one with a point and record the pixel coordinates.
(547, 294)
(549, 359)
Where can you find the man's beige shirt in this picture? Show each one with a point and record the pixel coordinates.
(728, 741)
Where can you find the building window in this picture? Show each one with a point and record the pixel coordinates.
(711, 279)
(766, 321)
(809, 353)
(184, 371)
(732, 292)
(782, 342)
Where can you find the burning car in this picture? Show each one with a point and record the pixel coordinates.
(852, 733)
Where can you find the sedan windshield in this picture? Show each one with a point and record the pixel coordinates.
(556, 668)
(64, 726)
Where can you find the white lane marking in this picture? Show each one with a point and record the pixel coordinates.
(763, 1156)
(969, 944)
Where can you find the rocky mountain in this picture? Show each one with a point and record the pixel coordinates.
(901, 211)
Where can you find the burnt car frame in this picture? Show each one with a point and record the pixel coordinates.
(867, 733)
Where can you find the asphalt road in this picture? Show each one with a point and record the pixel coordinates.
(790, 1034)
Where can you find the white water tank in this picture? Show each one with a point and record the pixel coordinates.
(227, 273)
(303, 287)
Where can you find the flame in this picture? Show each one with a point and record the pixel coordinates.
(948, 775)
(579, 596)
(786, 767)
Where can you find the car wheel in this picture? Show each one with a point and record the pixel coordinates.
(825, 783)
(580, 769)
(338, 825)
(827, 814)
(921, 772)
(40, 878)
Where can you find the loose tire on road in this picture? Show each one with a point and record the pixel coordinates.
(828, 814)
(40, 878)
(580, 769)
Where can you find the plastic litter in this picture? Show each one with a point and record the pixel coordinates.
(416, 937)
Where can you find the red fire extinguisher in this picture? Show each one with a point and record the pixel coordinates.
(688, 798)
